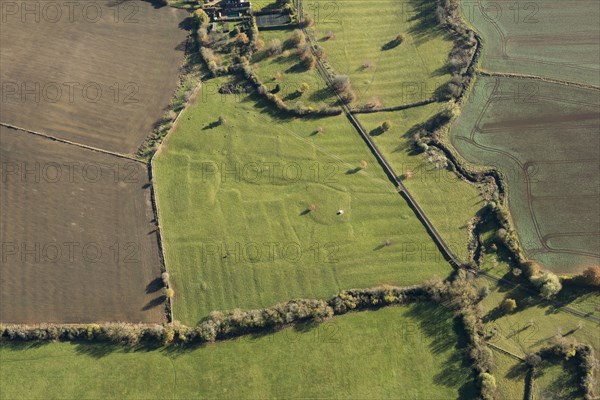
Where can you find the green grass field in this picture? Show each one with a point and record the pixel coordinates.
(539, 38)
(363, 31)
(510, 376)
(233, 202)
(557, 380)
(397, 352)
(533, 325)
(285, 70)
(448, 201)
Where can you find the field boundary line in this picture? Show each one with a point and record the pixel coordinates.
(154, 197)
(483, 72)
(69, 142)
(393, 108)
(506, 352)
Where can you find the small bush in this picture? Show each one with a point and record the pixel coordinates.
(548, 284)
(298, 39)
(508, 305)
(275, 47)
(591, 276)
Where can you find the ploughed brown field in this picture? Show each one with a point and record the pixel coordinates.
(77, 241)
(544, 137)
(95, 72)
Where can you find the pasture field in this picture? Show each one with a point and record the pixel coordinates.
(544, 138)
(449, 201)
(533, 325)
(77, 243)
(548, 38)
(510, 377)
(99, 73)
(363, 47)
(234, 203)
(557, 380)
(404, 352)
(286, 71)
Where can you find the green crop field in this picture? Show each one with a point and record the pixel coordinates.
(397, 352)
(234, 203)
(546, 38)
(448, 201)
(544, 138)
(363, 49)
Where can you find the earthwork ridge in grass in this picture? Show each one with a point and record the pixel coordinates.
(239, 227)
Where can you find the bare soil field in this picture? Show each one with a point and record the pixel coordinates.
(77, 242)
(95, 72)
(547, 38)
(544, 138)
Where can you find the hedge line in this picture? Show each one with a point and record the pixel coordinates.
(587, 363)
(217, 325)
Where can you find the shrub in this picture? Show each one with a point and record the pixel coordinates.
(408, 174)
(169, 293)
(530, 269)
(202, 17)
(548, 284)
(165, 278)
(508, 305)
(533, 359)
(347, 97)
(303, 88)
(275, 47)
(308, 60)
(591, 276)
(488, 385)
(330, 35)
(242, 38)
(341, 83)
(298, 38)
(307, 21)
(385, 126)
(375, 102)
(367, 65)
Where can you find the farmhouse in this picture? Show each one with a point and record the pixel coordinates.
(228, 10)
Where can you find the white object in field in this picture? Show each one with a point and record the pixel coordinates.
(340, 212)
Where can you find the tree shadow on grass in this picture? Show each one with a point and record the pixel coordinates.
(377, 131)
(322, 94)
(98, 350)
(446, 334)
(425, 24)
